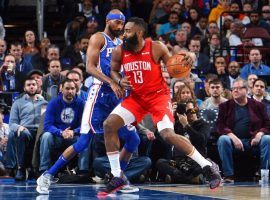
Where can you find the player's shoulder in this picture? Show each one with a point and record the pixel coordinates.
(97, 35)
(158, 45)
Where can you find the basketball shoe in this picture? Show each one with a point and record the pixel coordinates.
(44, 182)
(115, 184)
(212, 174)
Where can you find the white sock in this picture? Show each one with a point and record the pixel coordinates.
(114, 162)
(197, 157)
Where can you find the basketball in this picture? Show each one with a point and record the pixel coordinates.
(177, 67)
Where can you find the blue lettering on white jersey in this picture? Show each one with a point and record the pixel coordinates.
(105, 56)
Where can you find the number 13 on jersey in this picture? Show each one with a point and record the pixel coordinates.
(138, 78)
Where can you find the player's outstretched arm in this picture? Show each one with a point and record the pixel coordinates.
(96, 43)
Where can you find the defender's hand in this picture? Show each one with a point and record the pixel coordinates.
(125, 83)
(119, 92)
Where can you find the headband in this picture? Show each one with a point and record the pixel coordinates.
(112, 16)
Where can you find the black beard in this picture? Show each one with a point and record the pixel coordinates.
(131, 43)
(30, 94)
(115, 33)
(234, 76)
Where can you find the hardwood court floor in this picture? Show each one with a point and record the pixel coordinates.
(11, 190)
(237, 191)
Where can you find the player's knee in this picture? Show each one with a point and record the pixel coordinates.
(109, 126)
(82, 143)
(166, 134)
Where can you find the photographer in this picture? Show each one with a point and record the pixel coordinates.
(181, 169)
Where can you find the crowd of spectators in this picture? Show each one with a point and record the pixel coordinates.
(226, 94)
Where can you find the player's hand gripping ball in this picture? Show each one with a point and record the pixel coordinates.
(179, 65)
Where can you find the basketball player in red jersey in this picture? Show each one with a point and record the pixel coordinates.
(140, 60)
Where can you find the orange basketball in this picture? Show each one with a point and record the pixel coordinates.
(176, 67)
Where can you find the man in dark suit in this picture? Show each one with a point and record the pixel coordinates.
(76, 55)
(202, 62)
(244, 125)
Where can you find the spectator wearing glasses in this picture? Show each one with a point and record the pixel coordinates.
(196, 130)
(244, 125)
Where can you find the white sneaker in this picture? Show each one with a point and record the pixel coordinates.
(43, 183)
(129, 189)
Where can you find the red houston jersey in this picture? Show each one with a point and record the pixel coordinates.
(145, 74)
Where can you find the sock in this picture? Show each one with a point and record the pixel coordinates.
(123, 164)
(197, 157)
(114, 162)
(61, 162)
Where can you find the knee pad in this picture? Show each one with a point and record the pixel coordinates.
(132, 140)
(82, 143)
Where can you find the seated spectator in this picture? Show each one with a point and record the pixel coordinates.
(256, 22)
(215, 13)
(244, 125)
(2, 30)
(202, 25)
(237, 31)
(76, 77)
(12, 79)
(23, 122)
(91, 27)
(52, 80)
(185, 93)
(215, 90)
(203, 93)
(180, 169)
(255, 66)
(266, 14)
(73, 55)
(3, 48)
(41, 63)
(4, 132)
(43, 46)
(38, 76)
(79, 69)
(202, 61)
(250, 80)
(170, 27)
(176, 7)
(136, 167)
(259, 93)
(233, 73)
(212, 49)
(62, 126)
(23, 63)
(74, 29)
(30, 43)
(175, 85)
(180, 40)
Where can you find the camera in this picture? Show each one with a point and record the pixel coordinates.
(181, 108)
